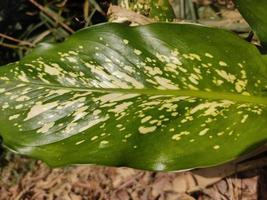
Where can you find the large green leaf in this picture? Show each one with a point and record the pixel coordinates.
(254, 11)
(156, 97)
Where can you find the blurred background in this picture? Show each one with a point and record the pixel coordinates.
(25, 23)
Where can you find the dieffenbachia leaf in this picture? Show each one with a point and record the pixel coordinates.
(161, 10)
(156, 97)
(255, 14)
(158, 10)
(264, 57)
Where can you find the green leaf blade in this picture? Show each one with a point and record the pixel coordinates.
(161, 10)
(255, 14)
(153, 97)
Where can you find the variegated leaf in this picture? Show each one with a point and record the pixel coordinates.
(156, 97)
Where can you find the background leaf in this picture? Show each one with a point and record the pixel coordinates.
(156, 97)
(255, 14)
(161, 10)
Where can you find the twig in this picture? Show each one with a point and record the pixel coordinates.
(86, 7)
(97, 7)
(42, 8)
(21, 42)
(62, 4)
(90, 18)
(41, 36)
(11, 46)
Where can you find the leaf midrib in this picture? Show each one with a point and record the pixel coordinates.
(179, 93)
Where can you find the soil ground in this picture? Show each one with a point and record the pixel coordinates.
(26, 179)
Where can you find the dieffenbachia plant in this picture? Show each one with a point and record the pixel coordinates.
(156, 97)
(255, 14)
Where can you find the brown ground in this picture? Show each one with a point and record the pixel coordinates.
(25, 179)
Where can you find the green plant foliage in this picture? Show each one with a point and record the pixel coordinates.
(155, 97)
(158, 10)
(264, 57)
(161, 10)
(255, 14)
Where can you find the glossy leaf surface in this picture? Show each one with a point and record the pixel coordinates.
(156, 97)
(255, 14)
